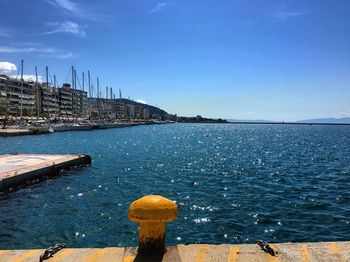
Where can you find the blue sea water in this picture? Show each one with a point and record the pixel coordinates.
(232, 184)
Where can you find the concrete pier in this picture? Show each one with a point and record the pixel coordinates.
(16, 170)
(303, 252)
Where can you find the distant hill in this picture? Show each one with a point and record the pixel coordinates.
(199, 119)
(152, 109)
(330, 120)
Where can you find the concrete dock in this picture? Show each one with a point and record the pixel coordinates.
(16, 170)
(303, 252)
(23, 131)
(58, 128)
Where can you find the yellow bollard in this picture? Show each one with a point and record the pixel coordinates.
(152, 212)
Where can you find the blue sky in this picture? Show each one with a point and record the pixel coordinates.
(244, 59)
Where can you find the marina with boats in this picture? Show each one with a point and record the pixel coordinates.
(42, 107)
(32, 107)
(82, 126)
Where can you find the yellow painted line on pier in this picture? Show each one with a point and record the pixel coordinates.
(334, 248)
(304, 253)
(62, 254)
(233, 254)
(273, 258)
(26, 255)
(128, 259)
(202, 254)
(97, 256)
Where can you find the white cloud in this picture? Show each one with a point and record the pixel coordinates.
(159, 7)
(42, 51)
(5, 32)
(27, 49)
(29, 77)
(7, 67)
(66, 5)
(60, 55)
(341, 115)
(66, 27)
(141, 101)
(283, 16)
(72, 8)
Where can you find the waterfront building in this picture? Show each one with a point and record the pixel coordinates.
(121, 111)
(73, 102)
(29, 99)
(146, 113)
(17, 97)
(66, 104)
(141, 113)
(130, 111)
(49, 101)
(79, 103)
(101, 108)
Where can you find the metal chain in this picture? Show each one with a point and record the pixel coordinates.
(266, 247)
(51, 251)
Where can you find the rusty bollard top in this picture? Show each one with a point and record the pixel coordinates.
(152, 212)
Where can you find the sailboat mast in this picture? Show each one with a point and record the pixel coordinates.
(89, 83)
(76, 94)
(47, 76)
(22, 70)
(73, 94)
(37, 92)
(75, 79)
(98, 88)
(7, 103)
(55, 90)
(98, 100)
(47, 85)
(21, 108)
(83, 81)
(72, 77)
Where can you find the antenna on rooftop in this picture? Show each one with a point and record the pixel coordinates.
(120, 93)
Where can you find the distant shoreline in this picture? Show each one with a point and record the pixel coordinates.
(263, 123)
(290, 123)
